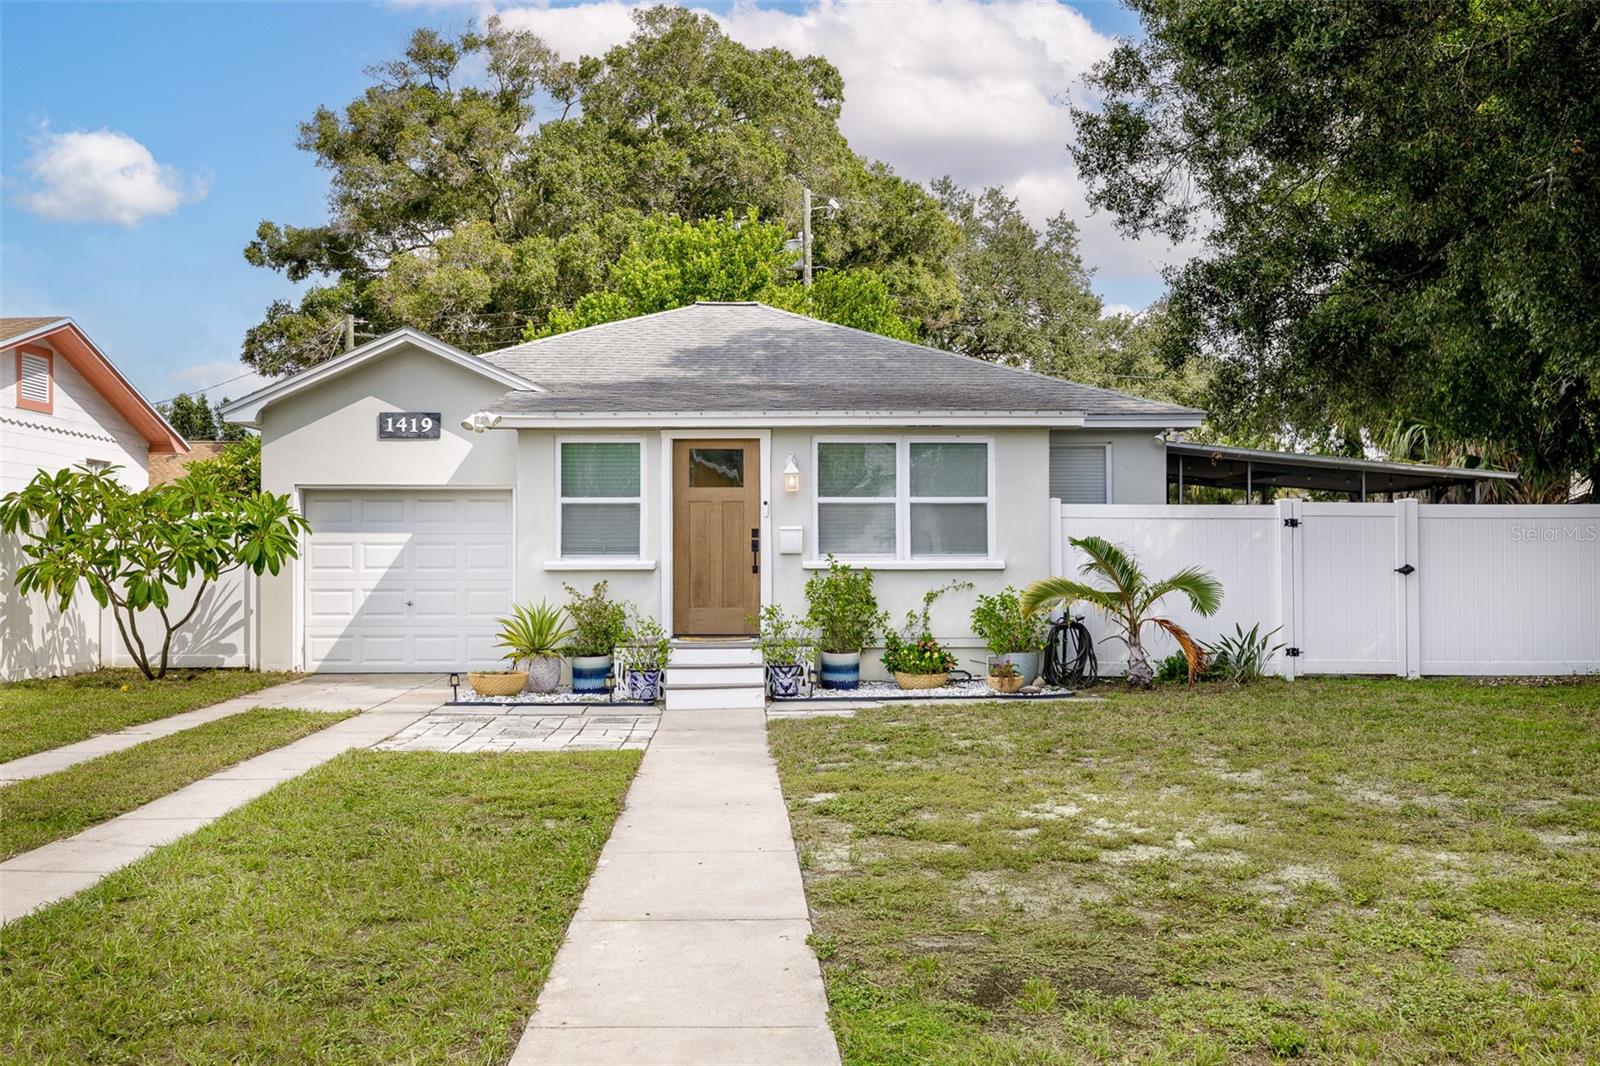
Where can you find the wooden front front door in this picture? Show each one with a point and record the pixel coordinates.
(716, 537)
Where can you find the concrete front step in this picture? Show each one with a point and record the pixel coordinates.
(714, 655)
(682, 676)
(740, 697)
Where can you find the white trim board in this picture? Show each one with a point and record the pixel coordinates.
(247, 409)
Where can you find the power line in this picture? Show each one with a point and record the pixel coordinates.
(208, 388)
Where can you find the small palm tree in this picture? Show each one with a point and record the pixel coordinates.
(1129, 601)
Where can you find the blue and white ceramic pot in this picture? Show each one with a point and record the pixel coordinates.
(589, 672)
(643, 685)
(841, 669)
(785, 679)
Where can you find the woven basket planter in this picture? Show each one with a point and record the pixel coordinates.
(1007, 685)
(920, 680)
(497, 682)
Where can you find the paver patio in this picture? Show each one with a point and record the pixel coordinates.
(690, 943)
(531, 729)
(40, 877)
(324, 692)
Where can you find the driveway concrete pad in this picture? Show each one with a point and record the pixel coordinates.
(690, 943)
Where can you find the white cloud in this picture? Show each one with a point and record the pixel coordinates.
(979, 91)
(102, 176)
(217, 379)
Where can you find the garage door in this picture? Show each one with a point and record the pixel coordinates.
(406, 580)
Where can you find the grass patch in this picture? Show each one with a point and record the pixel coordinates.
(47, 808)
(385, 907)
(46, 713)
(1339, 870)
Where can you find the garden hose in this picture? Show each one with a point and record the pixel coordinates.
(1069, 660)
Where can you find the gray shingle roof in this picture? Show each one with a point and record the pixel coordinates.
(750, 358)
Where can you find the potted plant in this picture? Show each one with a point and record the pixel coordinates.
(643, 650)
(913, 655)
(785, 649)
(1004, 677)
(1009, 632)
(598, 626)
(842, 611)
(532, 635)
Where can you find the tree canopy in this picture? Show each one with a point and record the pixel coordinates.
(482, 207)
(1398, 204)
(196, 418)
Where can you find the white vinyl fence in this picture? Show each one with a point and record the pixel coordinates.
(1371, 588)
(221, 633)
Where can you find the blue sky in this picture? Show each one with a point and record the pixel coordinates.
(214, 92)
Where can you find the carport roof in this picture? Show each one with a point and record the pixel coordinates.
(752, 359)
(1224, 466)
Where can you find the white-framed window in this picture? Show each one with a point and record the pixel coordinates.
(904, 497)
(1079, 473)
(600, 488)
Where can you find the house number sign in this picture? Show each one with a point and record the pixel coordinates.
(408, 425)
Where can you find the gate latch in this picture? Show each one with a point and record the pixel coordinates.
(1405, 571)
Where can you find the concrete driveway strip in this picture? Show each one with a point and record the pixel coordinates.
(66, 867)
(690, 943)
(320, 692)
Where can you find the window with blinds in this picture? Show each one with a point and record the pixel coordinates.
(1078, 471)
(601, 499)
(33, 381)
(905, 499)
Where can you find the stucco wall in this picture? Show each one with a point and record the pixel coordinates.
(327, 437)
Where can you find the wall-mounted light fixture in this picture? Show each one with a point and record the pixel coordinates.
(791, 475)
(480, 421)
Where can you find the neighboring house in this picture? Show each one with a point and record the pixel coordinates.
(168, 467)
(62, 404)
(704, 461)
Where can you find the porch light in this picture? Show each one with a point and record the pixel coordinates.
(791, 475)
(480, 421)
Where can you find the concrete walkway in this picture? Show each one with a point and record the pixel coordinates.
(690, 943)
(66, 867)
(321, 692)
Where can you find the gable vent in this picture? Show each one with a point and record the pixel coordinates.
(34, 386)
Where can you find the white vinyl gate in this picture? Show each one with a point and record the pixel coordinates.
(1372, 588)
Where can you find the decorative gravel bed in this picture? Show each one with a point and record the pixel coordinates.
(562, 698)
(955, 690)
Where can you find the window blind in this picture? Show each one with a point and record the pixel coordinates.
(1078, 472)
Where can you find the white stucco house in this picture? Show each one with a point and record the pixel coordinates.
(703, 460)
(63, 403)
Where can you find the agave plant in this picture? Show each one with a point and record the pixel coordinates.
(533, 631)
(1130, 600)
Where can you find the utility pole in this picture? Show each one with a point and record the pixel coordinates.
(805, 237)
(349, 332)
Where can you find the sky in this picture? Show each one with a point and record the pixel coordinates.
(141, 144)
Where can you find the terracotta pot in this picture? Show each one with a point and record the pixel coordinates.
(497, 682)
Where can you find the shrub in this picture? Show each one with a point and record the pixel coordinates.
(532, 632)
(1241, 658)
(784, 640)
(841, 607)
(913, 650)
(598, 623)
(1003, 626)
(644, 645)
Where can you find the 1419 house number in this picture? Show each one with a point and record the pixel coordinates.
(408, 425)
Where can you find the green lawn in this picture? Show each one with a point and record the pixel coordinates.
(386, 907)
(1339, 870)
(47, 808)
(47, 713)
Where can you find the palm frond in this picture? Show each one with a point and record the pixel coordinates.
(1111, 561)
(1192, 651)
(1203, 591)
(1050, 591)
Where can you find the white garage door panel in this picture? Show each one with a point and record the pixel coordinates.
(406, 581)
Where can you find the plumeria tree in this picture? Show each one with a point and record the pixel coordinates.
(82, 528)
(1130, 601)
